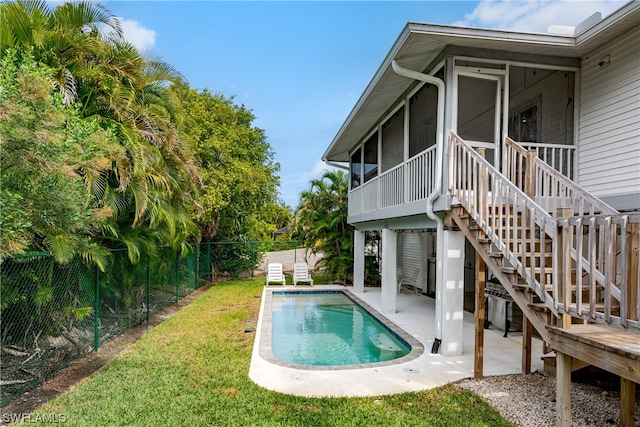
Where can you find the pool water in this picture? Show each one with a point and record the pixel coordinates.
(329, 329)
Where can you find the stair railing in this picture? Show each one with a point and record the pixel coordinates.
(606, 277)
(509, 218)
(606, 239)
(594, 257)
(548, 187)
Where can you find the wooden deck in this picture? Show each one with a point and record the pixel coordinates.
(612, 349)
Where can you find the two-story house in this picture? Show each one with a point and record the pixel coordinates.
(518, 154)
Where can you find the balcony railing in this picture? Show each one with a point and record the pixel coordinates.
(408, 182)
(558, 156)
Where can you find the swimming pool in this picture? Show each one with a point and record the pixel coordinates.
(330, 330)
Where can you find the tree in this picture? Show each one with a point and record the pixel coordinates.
(146, 195)
(321, 221)
(46, 149)
(238, 172)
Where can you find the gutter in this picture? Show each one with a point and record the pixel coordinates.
(439, 83)
(335, 165)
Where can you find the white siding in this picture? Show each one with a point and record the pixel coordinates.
(413, 257)
(609, 134)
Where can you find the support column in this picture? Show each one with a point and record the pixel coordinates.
(527, 332)
(389, 273)
(563, 390)
(452, 292)
(358, 261)
(478, 360)
(627, 402)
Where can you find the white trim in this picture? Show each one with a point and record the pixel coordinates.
(505, 118)
(539, 65)
(497, 131)
(479, 70)
(577, 82)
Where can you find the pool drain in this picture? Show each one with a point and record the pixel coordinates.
(410, 371)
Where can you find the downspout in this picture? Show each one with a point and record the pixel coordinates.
(439, 83)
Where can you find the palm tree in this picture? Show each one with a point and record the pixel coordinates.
(61, 37)
(321, 220)
(152, 180)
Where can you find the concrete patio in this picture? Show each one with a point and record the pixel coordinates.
(415, 314)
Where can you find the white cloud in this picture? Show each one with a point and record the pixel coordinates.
(316, 172)
(535, 15)
(139, 36)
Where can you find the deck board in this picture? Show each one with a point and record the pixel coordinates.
(613, 349)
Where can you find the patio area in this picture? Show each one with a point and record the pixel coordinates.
(415, 314)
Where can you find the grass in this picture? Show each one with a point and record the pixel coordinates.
(192, 370)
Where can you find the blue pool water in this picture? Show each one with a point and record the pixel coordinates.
(329, 329)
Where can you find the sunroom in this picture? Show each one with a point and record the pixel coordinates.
(393, 166)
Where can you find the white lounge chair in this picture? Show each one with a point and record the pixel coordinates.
(301, 273)
(275, 274)
(406, 280)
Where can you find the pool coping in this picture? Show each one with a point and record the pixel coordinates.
(415, 314)
(265, 351)
(425, 372)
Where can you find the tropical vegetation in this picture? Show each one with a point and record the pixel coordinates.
(321, 223)
(109, 158)
(107, 148)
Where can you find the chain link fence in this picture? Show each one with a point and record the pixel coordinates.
(52, 314)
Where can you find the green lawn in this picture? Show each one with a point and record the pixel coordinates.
(193, 369)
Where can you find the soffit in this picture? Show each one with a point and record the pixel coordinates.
(623, 20)
(420, 44)
(416, 48)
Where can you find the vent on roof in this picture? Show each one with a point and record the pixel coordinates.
(566, 30)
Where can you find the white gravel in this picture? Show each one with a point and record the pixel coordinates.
(529, 400)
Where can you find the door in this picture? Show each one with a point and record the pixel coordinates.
(478, 106)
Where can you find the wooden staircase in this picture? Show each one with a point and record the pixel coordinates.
(565, 257)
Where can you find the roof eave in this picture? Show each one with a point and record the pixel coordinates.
(440, 36)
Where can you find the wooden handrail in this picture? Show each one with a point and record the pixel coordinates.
(552, 189)
(594, 257)
(493, 202)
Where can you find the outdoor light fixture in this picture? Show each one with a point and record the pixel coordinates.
(605, 61)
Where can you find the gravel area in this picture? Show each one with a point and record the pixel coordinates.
(529, 400)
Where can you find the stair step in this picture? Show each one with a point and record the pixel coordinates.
(549, 287)
(522, 287)
(539, 307)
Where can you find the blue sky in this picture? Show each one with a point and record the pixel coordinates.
(300, 66)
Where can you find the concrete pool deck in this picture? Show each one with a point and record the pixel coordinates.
(415, 315)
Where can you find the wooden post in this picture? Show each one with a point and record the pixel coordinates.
(478, 359)
(482, 189)
(563, 361)
(562, 264)
(632, 271)
(627, 402)
(527, 328)
(529, 175)
(563, 390)
(530, 191)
